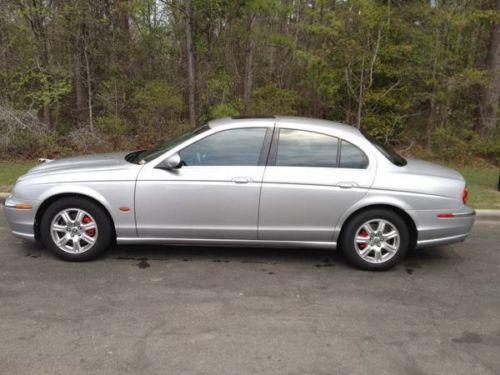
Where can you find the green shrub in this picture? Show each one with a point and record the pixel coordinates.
(462, 144)
(223, 110)
(26, 143)
(271, 100)
(157, 101)
(111, 125)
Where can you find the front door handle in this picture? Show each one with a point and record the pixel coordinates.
(241, 180)
(347, 185)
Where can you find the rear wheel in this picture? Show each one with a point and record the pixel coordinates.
(76, 229)
(375, 239)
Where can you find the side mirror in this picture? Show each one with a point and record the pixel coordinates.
(172, 162)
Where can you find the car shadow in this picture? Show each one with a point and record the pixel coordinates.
(428, 257)
(321, 258)
(415, 260)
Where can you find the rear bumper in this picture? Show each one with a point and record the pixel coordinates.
(433, 230)
(21, 222)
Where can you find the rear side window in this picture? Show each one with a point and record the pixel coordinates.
(298, 148)
(228, 147)
(352, 157)
(385, 150)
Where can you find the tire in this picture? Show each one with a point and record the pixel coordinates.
(73, 218)
(368, 250)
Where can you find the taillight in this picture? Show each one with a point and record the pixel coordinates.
(465, 195)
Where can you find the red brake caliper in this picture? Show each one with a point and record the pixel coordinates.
(87, 220)
(362, 233)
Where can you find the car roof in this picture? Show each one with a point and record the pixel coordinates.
(281, 120)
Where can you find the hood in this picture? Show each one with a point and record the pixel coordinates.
(97, 162)
(422, 167)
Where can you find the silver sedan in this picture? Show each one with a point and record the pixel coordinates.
(277, 181)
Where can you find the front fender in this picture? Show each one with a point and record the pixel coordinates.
(112, 195)
(77, 190)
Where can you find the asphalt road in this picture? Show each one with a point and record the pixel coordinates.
(175, 310)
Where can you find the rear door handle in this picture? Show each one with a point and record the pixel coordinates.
(241, 180)
(347, 185)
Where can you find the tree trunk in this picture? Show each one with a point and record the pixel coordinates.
(248, 80)
(489, 117)
(35, 15)
(121, 18)
(190, 65)
(247, 87)
(433, 101)
(79, 89)
(120, 37)
(361, 94)
(89, 87)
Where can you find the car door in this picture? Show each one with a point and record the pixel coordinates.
(310, 180)
(214, 195)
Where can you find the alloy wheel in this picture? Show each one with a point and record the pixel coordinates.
(74, 230)
(377, 241)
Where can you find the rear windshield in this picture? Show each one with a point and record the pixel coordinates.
(390, 154)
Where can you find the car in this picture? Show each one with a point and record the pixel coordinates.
(272, 181)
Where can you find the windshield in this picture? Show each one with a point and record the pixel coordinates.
(145, 156)
(390, 154)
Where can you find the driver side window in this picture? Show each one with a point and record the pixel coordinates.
(226, 148)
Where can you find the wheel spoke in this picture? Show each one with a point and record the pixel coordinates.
(76, 244)
(368, 228)
(59, 228)
(65, 217)
(88, 226)
(381, 226)
(390, 235)
(88, 239)
(360, 239)
(79, 216)
(390, 248)
(378, 255)
(363, 253)
(62, 241)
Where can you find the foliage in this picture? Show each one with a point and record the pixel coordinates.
(110, 124)
(271, 100)
(223, 110)
(22, 133)
(116, 72)
(157, 100)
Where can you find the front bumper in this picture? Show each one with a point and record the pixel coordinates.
(433, 230)
(21, 221)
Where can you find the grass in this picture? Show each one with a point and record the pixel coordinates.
(482, 183)
(481, 179)
(10, 170)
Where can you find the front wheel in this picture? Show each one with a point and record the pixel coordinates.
(375, 239)
(76, 229)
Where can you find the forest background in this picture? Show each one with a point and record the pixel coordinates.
(82, 76)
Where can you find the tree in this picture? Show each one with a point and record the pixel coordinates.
(108, 74)
(489, 115)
